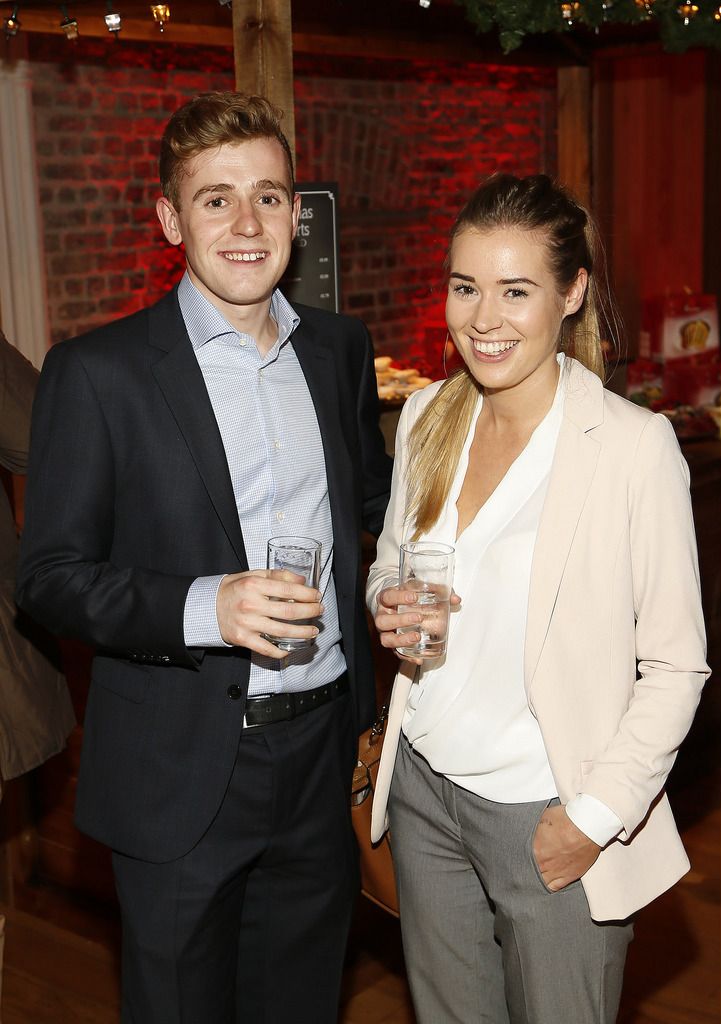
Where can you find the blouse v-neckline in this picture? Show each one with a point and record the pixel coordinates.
(525, 473)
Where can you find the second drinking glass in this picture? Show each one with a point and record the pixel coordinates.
(426, 567)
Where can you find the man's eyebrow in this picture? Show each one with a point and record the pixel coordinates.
(220, 186)
(268, 183)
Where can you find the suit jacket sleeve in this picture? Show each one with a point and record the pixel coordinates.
(670, 639)
(67, 579)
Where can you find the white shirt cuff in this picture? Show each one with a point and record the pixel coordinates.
(200, 618)
(594, 818)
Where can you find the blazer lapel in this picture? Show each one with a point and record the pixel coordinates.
(317, 360)
(180, 379)
(573, 469)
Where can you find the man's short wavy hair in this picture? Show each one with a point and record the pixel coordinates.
(214, 119)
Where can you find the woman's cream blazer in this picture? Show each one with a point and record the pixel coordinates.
(615, 654)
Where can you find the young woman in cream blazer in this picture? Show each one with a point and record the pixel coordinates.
(523, 773)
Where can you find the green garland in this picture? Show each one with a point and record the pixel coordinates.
(679, 26)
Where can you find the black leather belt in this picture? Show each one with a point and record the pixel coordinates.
(282, 707)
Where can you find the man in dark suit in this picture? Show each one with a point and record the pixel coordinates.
(167, 448)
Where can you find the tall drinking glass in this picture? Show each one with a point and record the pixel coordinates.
(300, 555)
(426, 567)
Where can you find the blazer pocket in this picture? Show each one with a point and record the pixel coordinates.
(131, 682)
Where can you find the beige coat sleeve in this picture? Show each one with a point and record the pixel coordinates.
(18, 379)
(670, 637)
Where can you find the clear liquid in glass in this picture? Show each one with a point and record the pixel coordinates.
(434, 605)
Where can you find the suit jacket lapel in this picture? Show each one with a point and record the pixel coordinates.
(180, 379)
(317, 357)
(573, 469)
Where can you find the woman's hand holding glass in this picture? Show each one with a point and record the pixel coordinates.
(388, 619)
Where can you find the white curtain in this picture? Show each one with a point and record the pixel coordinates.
(23, 306)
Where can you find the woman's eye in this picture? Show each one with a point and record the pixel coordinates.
(516, 293)
(463, 290)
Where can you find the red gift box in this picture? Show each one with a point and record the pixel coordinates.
(680, 336)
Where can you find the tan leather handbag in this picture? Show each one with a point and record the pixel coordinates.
(376, 864)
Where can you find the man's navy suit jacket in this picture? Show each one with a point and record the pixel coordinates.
(129, 499)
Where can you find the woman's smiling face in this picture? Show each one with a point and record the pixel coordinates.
(503, 309)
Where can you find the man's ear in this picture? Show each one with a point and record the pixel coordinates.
(574, 295)
(168, 220)
(297, 202)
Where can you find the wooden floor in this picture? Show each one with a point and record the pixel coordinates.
(61, 961)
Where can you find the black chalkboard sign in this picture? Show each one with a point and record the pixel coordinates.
(312, 276)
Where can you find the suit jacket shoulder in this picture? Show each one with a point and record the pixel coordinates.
(127, 332)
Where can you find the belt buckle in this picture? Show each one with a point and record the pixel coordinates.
(254, 699)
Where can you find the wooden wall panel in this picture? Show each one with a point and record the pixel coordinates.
(648, 174)
(574, 131)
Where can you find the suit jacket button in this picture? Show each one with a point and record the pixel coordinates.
(235, 692)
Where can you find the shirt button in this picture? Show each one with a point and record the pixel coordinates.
(260, 372)
(243, 342)
(280, 516)
(235, 692)
(276, 444)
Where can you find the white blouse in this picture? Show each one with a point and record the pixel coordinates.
(468, 715)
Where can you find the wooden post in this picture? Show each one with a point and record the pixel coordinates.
(263, 45)
(574, 131)
(712, 202)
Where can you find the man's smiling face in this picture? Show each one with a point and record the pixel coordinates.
(236, 217)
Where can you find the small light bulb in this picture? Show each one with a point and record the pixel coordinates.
(424, 3)
(113, 21)
(70, 28)
(568, 12)
(11, 25)
(687, 11)
(161, 14)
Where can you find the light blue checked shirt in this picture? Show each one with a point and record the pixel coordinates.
(274, 450)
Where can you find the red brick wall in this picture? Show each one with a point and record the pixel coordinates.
(405, 141)
(98, 122)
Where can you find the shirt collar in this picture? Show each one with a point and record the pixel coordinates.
(204, 322)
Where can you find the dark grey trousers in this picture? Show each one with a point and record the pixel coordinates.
(193, 951)
(484, 939)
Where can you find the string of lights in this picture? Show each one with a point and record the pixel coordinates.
(681, 23)
(160, 14)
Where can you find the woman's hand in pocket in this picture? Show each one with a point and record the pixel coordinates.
(563, 853)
